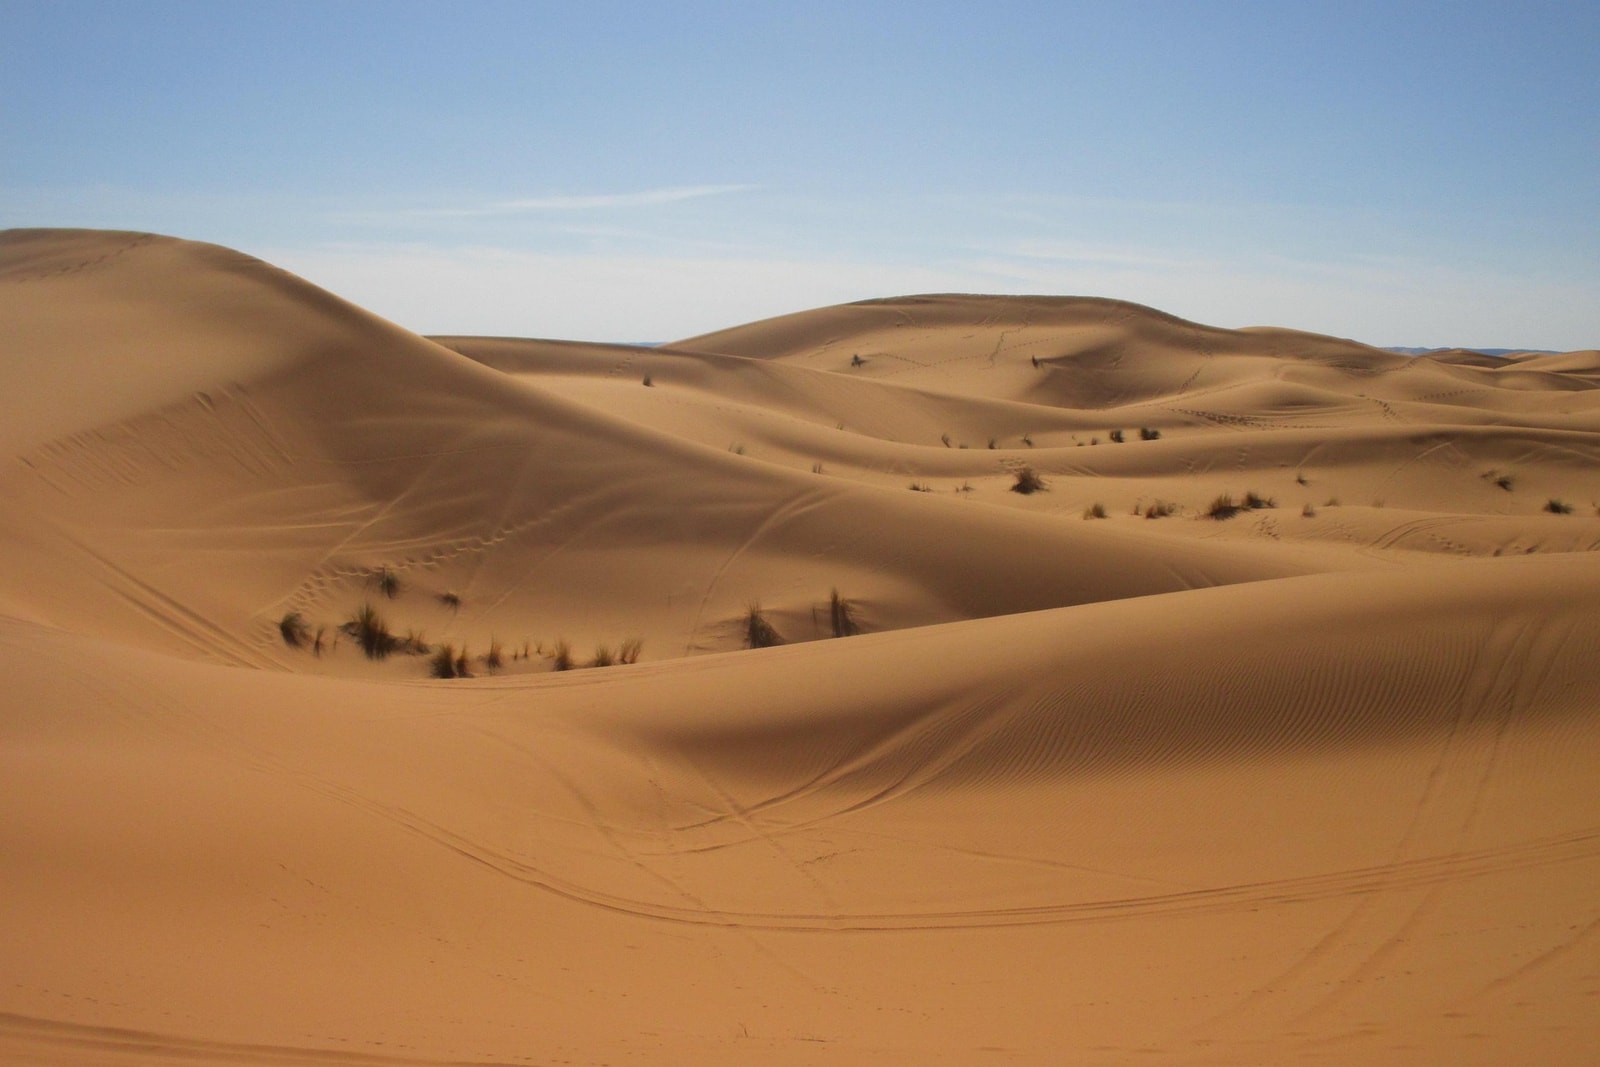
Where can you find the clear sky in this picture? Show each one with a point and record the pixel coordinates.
(1405, 173)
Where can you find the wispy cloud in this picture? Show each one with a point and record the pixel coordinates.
(581, 202)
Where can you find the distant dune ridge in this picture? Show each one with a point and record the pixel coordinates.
(381, 699)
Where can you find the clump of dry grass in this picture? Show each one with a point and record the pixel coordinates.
(1147, 433)
(1096, 510)
(1222, 507)
(629, 652)
(463, 663)
(842, 616)
(414, 643)
(494, 659)
(368, 628)
(1255, 501)
(1028, 481)
(561, 656)
(603, 657)
(1160, 510)
(443, 663)
(1308, 512)
(921, 487)
(758, 632)
(1558, 507)
(293, 628)
(450, 600)
(1116, 437)
(388, 582)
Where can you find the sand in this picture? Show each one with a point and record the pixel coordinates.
(1310, 783)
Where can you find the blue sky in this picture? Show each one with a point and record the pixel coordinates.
(1401, 173)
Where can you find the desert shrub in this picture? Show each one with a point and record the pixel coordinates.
(758, 632)
(1331, 502)
(317, 644)
(842, 616)
(494, 659)
(369, 629)
(463, 663)
(921, 487)
(816, 468)
(1116, 437)
(1160, 510)
(1301, 479)
(1028, 481)
(450, 600)
(1222, 507)
(736, 449)
(629, 652)
(945, 438)
(1504, 481)
(443, 663)
(603, 657)
(414, 643)
(1146, 433)
(1558, 507)
(994, 442)
(964, 487)
(1255, 502)
(856, 360)
(561, 657)
(292, 627)
(1096, 510)
(1308, 512)
(1027, 439)
(388, 582)
(648, 381)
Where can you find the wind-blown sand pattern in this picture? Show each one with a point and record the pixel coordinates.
(1311, 783)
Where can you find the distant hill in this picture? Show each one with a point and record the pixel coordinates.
(1480, 351)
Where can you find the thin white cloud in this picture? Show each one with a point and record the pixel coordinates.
(582, 202)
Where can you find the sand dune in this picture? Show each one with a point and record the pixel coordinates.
(1312, 782)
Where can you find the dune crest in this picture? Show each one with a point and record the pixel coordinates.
(1262, 729)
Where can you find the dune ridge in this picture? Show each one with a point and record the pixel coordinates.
(1310, 782)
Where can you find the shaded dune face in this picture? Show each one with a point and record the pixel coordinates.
(1265, 727)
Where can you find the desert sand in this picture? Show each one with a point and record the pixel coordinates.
(1311, 782)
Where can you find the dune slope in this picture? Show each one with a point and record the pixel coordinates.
(1308, 783)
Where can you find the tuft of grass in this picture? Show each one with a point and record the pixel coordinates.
(1116, 437)
(368, 628)
(293, 629)
(561, 657)
(388, 582)
(443, 663)
(1147, 433)
(842, 616)
(921, 487)
(1301, 479)
(964, 487)
(816, 468)
(1222, 507)
(945, 438)
(994, 442)
(1256, 502)
(1096, 510)
(648, 381)
(758, 632)
(1331, 502)
(1308, 512)
(450, 600)
(1160, 510)
(1504, 481)
(629, 652)
(603, 657)
(494, 659)
(1027, 439)
(1557, 507)
(414, 643)
(463, 663)
(736, 449)
(317, 644)
(1028, 481)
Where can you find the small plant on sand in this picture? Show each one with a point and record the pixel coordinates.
(758, 632)
(856, 360)
(463, 663)
(1494, 477)
(319, 642)
(443, 663)
(414, 643)
(368, 628)
(842, 616)
(494, 659)
(561, 657)
(1308, 512)
(994, 442)
(1255, 502)
(1160, 510)
(816, 468)
(1027, 481)
(388, 582)
(1558, 507)
(629, 652)
(1222, 507)
(603, 657)
(1331, 502)
(648, 382)
(945, 438)
(1116, 437)
(292, 627)
(736, 449)
(964, 487)
(1147, 433)
(921, 487)
(1027, 439)
(1096, 510)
